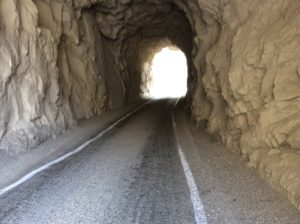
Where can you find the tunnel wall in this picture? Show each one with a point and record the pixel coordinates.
(249, 85)
(50, 74)
(140, 48)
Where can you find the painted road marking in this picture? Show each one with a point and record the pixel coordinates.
(69, 154)
(199, 212)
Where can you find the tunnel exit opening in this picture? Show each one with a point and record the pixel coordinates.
(168, 74)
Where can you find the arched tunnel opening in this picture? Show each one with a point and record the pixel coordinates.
(70, 68)
(165, 74)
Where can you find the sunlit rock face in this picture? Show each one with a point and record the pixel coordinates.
(50, 73)
(63, 61)
(251, 81)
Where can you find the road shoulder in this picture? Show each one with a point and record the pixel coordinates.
(14, 167)
(230, 191)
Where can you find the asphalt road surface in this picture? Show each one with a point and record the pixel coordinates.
(134, 174)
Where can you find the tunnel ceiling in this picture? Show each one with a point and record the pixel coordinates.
(132, 24)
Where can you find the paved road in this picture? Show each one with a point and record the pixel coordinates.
(134, 175)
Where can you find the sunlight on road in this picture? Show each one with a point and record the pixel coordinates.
(169, 74)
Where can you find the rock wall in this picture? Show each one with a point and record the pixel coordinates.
(133, 27)
(65, 61)
(251, 81)
(49, 71)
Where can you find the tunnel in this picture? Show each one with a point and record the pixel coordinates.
(64, 62)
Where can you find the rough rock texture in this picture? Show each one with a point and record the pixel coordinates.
(49, 71)
(251, 79)
(62, 61)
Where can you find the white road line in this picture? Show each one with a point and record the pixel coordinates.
(199, 212)
(69, 154)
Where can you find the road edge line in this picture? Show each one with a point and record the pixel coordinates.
(199, 212)
(69, 154)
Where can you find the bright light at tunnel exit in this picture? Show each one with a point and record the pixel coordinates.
(169, 74)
